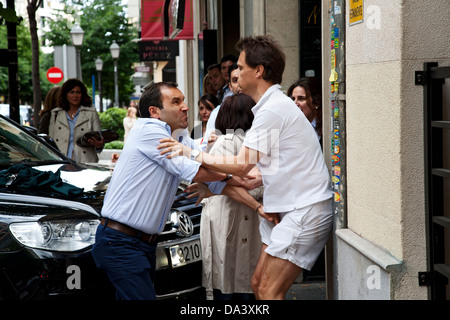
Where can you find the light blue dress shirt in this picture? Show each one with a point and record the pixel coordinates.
(72, 122)
(144, 182)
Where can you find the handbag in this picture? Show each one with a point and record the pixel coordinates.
(107, 134)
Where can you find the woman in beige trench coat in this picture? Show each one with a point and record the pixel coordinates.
(229, 231)
(75, 117)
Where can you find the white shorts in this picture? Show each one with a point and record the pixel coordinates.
(301, 234)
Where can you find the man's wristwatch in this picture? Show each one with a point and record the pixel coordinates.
(228, 177)
(194, 154)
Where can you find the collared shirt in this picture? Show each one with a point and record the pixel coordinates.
(144, 182)
(292, 166)
(71, 151)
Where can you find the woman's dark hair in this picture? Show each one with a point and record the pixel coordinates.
(67, 87)
(152, 97)
(265, 51)
(313, 89)
(235, 113)
(211, 98)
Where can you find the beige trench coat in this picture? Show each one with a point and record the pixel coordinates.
(229, 234)
(59, 130)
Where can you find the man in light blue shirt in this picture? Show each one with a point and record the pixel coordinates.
(141, 193)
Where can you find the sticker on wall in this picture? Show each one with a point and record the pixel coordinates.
(337, 134)
(336, 159)
(336, 33)
(337, 197)
(336, 43)
(334, 74)
(337, 171)
(337, 9)
(337, 149)
(336, 181)
(337, 142)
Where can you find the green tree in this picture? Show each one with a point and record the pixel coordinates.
(113, 119)
(32, 6)
(102, 22)
(25, 63)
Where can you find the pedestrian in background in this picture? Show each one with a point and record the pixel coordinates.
(206, 105)
(307, 95)
(217, 80)
(74, 117)
(225, 63)
(233, 85)
(50, 103)
(129, 120)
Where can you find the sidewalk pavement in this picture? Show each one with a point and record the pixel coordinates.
(307, 291)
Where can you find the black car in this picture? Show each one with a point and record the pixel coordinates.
(49, 212)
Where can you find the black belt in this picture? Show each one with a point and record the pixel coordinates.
(145, 237)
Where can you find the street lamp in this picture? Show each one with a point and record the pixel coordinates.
(115, 51)
(77, 35)
(99, 67)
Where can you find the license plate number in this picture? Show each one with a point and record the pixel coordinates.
(185, 253)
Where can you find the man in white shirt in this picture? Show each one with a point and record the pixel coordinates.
(297, 184)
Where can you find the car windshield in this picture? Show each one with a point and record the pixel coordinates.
(16, 145)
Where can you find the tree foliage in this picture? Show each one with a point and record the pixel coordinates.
(113, 119)
(25, 63)
(102, 21)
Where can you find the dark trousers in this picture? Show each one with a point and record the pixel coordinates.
(128, 262)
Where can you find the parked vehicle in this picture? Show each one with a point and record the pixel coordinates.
(25, 113)
(47, 230)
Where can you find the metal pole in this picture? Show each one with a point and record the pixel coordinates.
(100, 90)
(116, 85)
(13, 68)
(338, 104)
(78, 64)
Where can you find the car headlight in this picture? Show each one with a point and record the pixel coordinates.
(63, 235)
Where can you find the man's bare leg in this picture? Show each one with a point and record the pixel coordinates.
(273, 277)
(257, 273)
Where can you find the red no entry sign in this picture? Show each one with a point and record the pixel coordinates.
(55, 75)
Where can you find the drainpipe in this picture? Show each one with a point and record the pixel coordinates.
(337, 11)
(337, 101)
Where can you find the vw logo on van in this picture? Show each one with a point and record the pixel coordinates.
(182, 223)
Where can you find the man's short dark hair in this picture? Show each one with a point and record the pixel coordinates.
(152, 97)
(214, 66)
(235, 113)
(233, 67)
(229, 57)
(265, 51)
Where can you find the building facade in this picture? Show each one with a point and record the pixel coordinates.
(385, 243)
